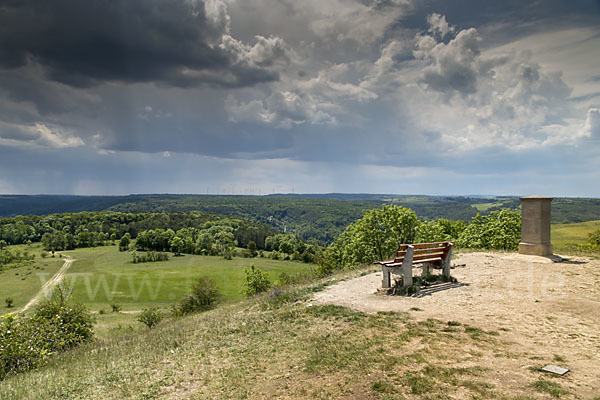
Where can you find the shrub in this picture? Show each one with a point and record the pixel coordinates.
(74, 321)
(56, 325)
(9, 302)
(284, 279)
(205, 295)
(227, 253)
(150, 317)
(150, 256)
(500, 230)
(257, 281)
(594, 238)
(252, 248)
(116, 307)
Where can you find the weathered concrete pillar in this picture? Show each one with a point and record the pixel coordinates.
(535, 226)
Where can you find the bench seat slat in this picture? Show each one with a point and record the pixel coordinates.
(399, 264)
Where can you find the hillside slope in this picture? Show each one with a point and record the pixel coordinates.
(288, 346)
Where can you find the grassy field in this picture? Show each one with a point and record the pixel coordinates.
(566, 235)
(103, 275)
(24, 282)
(481, 207)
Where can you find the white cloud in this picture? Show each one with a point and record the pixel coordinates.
(38, 134)
(348, 19)
(439, 25)
(282, 109)
(474, 99)
(572, 51)
(592, 123)
(452, 65)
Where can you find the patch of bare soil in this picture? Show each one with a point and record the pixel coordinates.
(545, 312)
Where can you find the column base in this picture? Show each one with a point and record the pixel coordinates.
(535, 249)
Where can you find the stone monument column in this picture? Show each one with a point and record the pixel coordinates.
(535, 226)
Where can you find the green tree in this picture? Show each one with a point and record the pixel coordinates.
(124, 242)
(252, 248)
(500, 230)
(177, 245)
(375, 236)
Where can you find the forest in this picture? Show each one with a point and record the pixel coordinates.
(90, 229)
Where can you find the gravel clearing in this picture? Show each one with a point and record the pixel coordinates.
(541, 307)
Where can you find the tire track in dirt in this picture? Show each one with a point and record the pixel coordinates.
(48, 286)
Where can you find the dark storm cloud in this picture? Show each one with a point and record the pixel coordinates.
(83, 43)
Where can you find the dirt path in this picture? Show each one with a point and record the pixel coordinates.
(543, 309)
(49, 285)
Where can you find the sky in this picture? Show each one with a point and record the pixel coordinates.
(314, 96)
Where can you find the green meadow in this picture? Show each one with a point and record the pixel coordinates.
(102, 276)
(565, 236)
(24, 282)
(481, 207)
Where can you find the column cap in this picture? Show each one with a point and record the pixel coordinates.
(536, 198)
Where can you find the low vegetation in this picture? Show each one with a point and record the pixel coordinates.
(256, 281)
(55, 326)
(151, 256)
(14, 257)
(204, 296)
(150, 317)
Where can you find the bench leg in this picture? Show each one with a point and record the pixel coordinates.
(386, 284)
(425, 270)
(446, 263)
(407, 267)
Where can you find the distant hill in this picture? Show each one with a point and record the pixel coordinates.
(11, 205)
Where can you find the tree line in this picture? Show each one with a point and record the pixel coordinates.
(90, 229)
(377, 235)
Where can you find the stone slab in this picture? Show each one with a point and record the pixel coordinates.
(555, 370)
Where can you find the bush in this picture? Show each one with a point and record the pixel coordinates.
(150, 256)
(500, 230)
(9, 302)
(150, 317)
(594, 238)
(74, 321)
(116, 307)
(205, 295)
(227, 254)
(252, 248)
(257, 281)
(55, 326)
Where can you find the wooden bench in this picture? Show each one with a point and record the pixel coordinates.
(427, 254)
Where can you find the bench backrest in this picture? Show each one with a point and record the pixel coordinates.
(424, 251)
